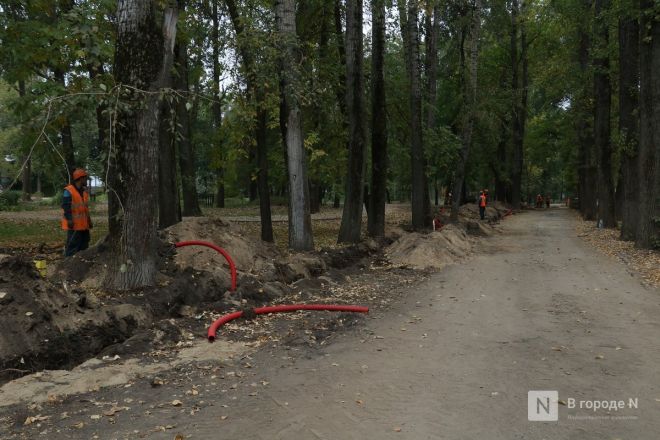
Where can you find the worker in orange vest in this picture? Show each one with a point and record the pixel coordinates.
(75, 213)
(482, 205)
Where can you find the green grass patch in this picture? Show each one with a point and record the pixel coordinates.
(28, 233)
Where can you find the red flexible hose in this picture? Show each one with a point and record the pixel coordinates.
(281, 309)
(218, 249)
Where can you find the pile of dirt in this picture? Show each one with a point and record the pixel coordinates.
(250, 256)
(433, 250)
(43, 325)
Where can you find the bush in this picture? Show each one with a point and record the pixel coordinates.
(9, 199)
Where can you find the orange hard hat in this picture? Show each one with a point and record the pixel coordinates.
(79, 173)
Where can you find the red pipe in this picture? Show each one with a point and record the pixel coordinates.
(218, 249)
(280, 309)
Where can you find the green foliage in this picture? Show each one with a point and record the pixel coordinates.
(9, 199)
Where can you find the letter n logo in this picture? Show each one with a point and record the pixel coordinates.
(543, 406)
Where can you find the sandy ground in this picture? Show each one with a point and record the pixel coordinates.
(535, 309)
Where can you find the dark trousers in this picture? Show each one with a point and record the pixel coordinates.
(76, 241)
(482, 212)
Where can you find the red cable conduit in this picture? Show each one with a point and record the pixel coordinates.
(218, 249)
(280, 309)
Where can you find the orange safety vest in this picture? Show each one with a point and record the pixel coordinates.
(482, 201)
(79, 210)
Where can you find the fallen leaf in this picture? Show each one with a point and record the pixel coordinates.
(177, 402)
(78, 425)
(95, 416)
(34, 419)
(600, 356)
(397, 429)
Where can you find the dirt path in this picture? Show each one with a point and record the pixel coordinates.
(536, 310)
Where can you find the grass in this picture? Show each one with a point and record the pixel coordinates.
(29, 233)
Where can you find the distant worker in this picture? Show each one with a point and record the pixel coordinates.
(75, 214)
(482, 205)
(547, 201)
(539, 201)
(437, 221)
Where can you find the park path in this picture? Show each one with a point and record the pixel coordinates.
(534, 309)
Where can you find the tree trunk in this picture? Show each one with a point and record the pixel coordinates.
(583, 109)
(216, 107)
(602, 113)
(420, 217)
(469, 92)
(341, 50)
(262, 162)
(351, 220)
(102, 120)
(376, 219)
(65, 132)
(629, 123)
(519, 116)
(257, 96)
(169, 206)
(300, 223)
(143, 59)
(648, 233)
(26, 180)
(184, 135)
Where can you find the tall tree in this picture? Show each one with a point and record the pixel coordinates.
(408, 15)
(257, 95)
(300, 222)
(376, 219)
(519, 85)
(351, 220)
(216, 107)
(146, 32)
(602, 114)
(471, 11)
(648, 233)
(184, 133)
(587, 181)
(629, 122)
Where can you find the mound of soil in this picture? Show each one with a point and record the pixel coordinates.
(433, 250)
(250, 256)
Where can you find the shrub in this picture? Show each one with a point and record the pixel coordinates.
(9, 199)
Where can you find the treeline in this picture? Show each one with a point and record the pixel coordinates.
(291, 100)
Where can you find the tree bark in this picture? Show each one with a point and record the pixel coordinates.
(169, 206)
(66, 137)
(469, 92)
(420, 217)
(143, 58)
(184, 135)
(519, 116)
(648, 233)
(602, 114)
(629, 123)
(376, 219)
(351, 220)
(216, 108)
(300, 223)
